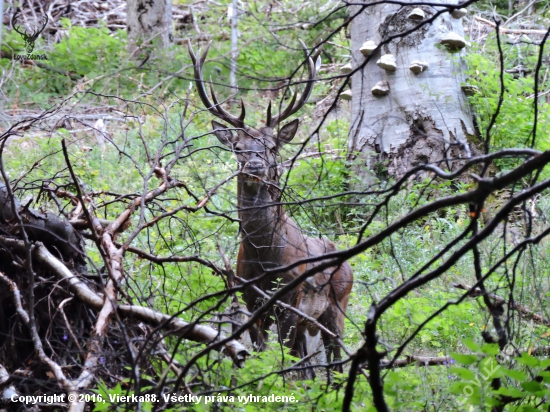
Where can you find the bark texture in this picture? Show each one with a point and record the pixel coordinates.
(149, 21)
(425, 117)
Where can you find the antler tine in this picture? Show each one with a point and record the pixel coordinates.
(215, 108)
(293, 108)
(268, 118)
(224, 114)
(243, 112)
(287, 112)
(197, 69)
(316, 56)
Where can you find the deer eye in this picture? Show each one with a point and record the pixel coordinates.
(239, 147)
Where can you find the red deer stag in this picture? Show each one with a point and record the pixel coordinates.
(270, 239)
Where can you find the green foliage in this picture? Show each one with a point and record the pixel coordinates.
(519, 378)
(84, 53)
(320, 178)
(94, 57)
(267, 56)
(514, 125)
(98, 59)
(88, 51)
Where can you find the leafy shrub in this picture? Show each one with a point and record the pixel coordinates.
(515, 122)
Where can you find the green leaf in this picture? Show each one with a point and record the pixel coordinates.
(517, 375)
(470, 344)
(512, 392)
(545, 376)
(464, 359)
(468, 389)
(146, 406)
(490, 349)
(532, 386)
(489, 368)
(528, 360)
(464, 373)
(527, 408)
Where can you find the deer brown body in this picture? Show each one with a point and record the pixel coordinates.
(270, 239)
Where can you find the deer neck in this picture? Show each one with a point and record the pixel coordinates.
(262, 217)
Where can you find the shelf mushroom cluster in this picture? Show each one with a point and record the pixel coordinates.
(388, 61)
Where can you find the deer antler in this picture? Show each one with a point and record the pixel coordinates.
(215, 108)
(294, 106)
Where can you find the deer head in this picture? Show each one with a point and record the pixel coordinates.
(28, 38)
(256, 149)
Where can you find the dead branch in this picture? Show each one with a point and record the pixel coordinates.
(511, 31)
(197, 333)
(67, 384)
(418, 360)
(499, 301)
(448, 360)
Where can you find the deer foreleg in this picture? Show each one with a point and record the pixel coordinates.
(286, 323)
(333, 319)
(258, 332)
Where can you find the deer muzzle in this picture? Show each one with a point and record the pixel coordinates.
(254, 167)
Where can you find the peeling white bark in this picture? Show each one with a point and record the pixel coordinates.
(425, 116)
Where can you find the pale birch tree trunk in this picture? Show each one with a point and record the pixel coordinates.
(149, 23)
(425, 117)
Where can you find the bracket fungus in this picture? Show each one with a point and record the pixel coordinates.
(453, 40)
(459, 13)
(418, 67)
(387, 62)
(416, 14)
(346, 95)
(368, 47)
(469, 89)
(346, 69)
(381, 88)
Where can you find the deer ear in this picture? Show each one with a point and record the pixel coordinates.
(287, 132)
(224, 135)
